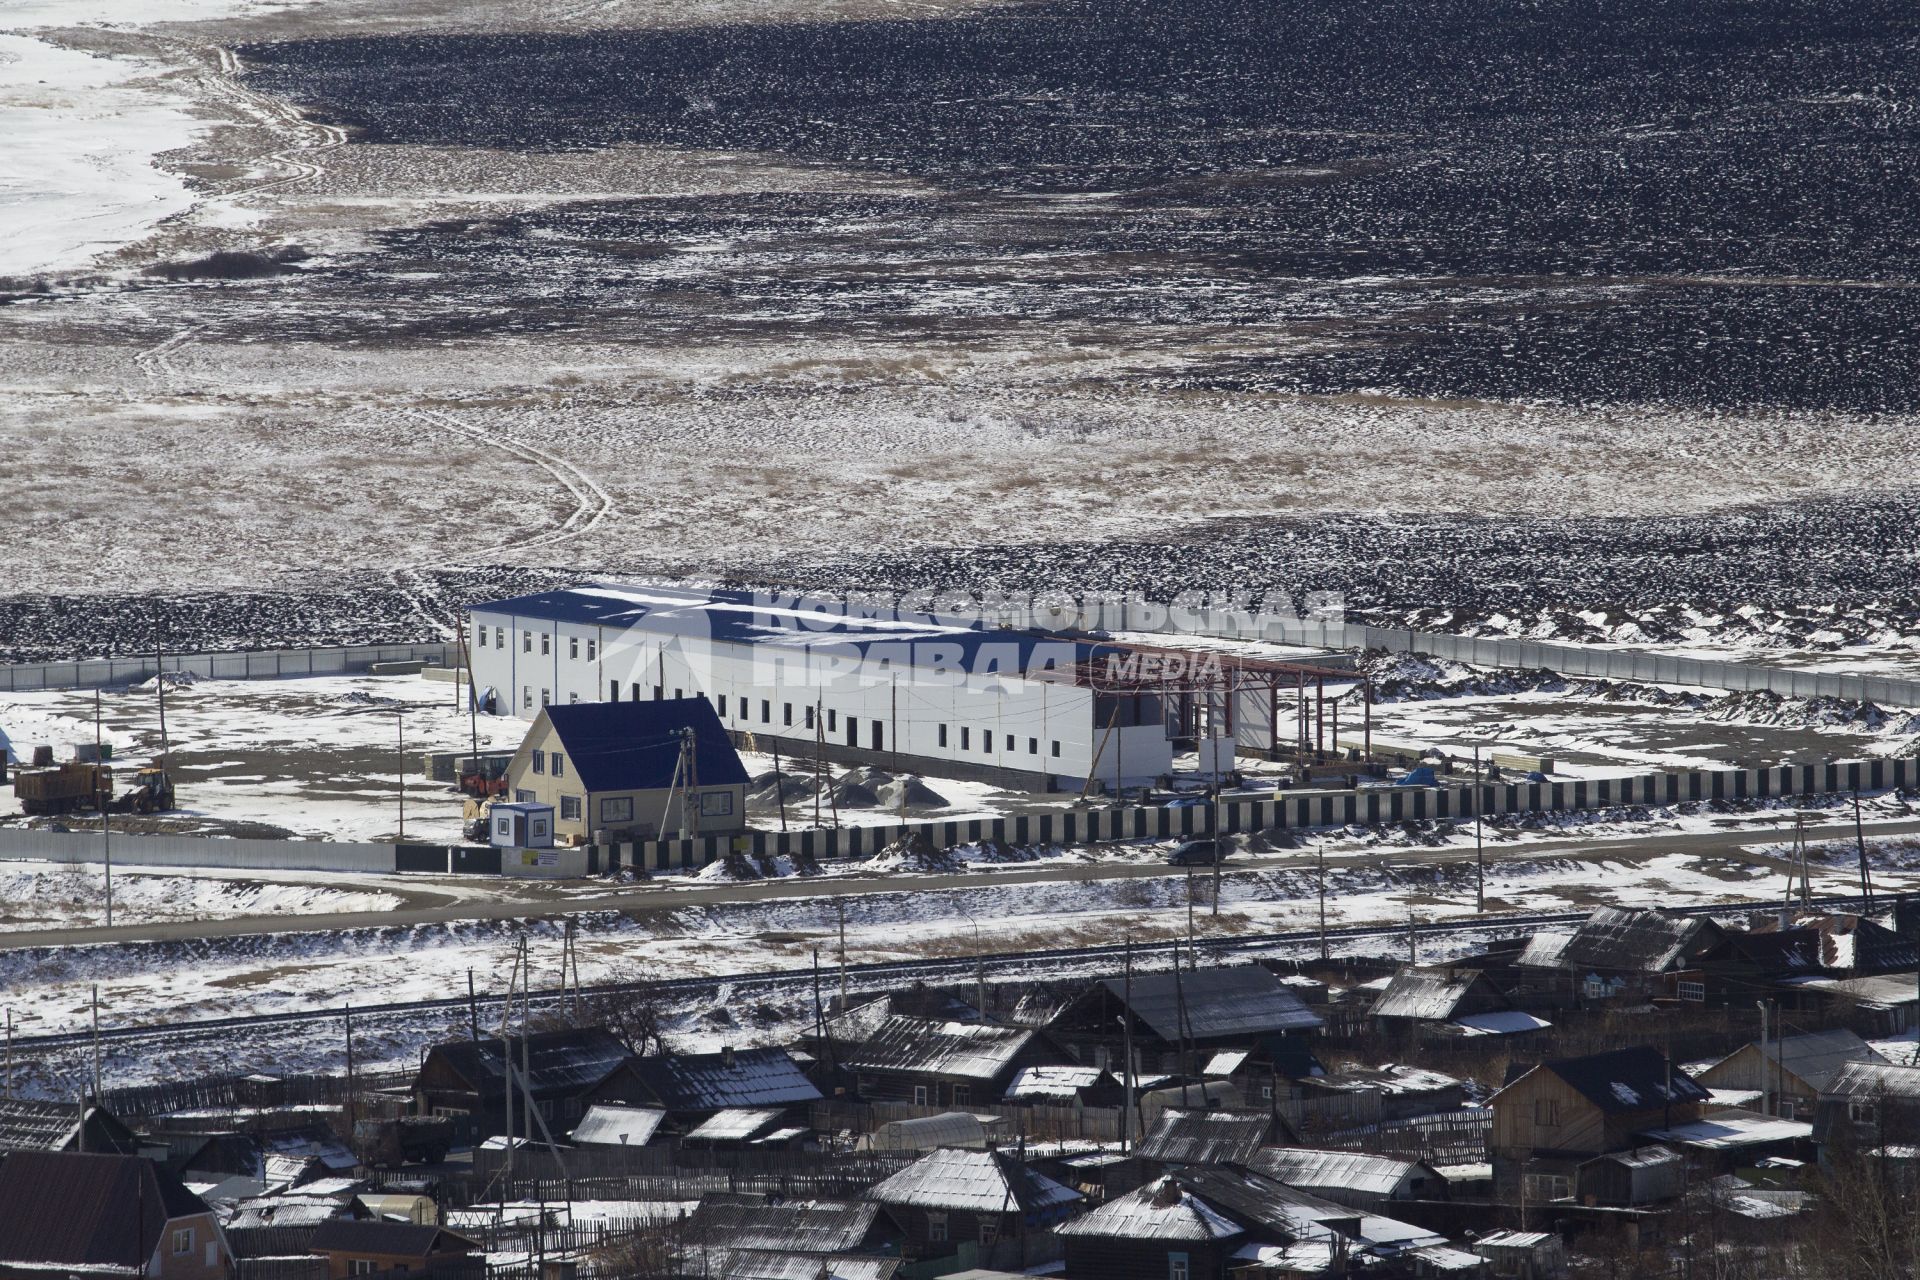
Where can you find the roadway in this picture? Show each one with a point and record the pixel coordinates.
(535, 900)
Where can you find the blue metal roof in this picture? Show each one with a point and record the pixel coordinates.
(743, 617)
(634, 746)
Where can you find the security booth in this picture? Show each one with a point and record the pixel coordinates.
(522, 825)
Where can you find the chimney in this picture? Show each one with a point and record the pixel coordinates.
(726, 1056)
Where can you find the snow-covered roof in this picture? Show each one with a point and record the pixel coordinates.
(1225, 1064)
(1053, 1082)
(1236, 1001)
(1880, 1079)
(612, 1126)
(736, 1124)
(799, 1226)
(1624, 940)
(730, 1078)
(1501, 1022)
(1438, 1257)
(971, 1050)
(770, 1264)
(1161, 1210)
(1729, 1130)
(1514, 1239)
(1335, 1170)
(1206, 1137)
(1427, 995)
(973, 1182)
(1620, 1080)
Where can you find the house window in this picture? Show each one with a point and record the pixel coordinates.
(359, 1266)
(572, 698)
(1011, 744)
(573, 647)
(676, 695)
(613, 691)
(1597, 989)
(526, 696)
(559, 765)
(1033, 746)
(523, 797)
(616, 809)
(833, 720)
(537, 829)
(1694, 991)
(936, 1227)
(183, 1242)
(593, 650)
(962, 1095)
(943, 735)
(546, 643)
(1863, 1111)
(966, 737)
(483, 636)
(570, 808)
(1548, 1186)
(809, 716)
(526, 642)
(766, 711)
(546, 697)
(1056, 747)
(636, 691)
(919, 1095)
(499, 637)
(1178, 1268)
(539, 762)
(876, 735)
(989, 1232)
(786, 713)
(1546, 1112)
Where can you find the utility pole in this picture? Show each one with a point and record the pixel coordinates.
(96, 1043)
(1321, 849)
(160, 692)
(1219, 854)
(9, 1081)
(690, 803)
(473, 690)
(1191, 963)
(352, 1088)
(819, 749)
(1479, 845)
(1126, 1040)
(1413, 942)
(1860, 838)
(400, 743)
(473, 1009)
(840, 907)
(779, 784)
(103, 793)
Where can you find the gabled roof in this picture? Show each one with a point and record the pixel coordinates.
(974, 1050)
(730, 1078)
(801, 1226)
(765, 1264)
(1259, 1201)
(55, 1126)
(1206, 1137)
(381, 1235)
(74, 1210)
(1354, 1171)
(1618, 939)
(1034, 1083)
(735, 1124)
(1874, 1079)
(1621, 1080)
(1161, 1210)
(973, 1182)
(559, 1063)
(635, 746)
(1426, 994)
(612, 1126)
(1241, 1001)
(1815, 1056)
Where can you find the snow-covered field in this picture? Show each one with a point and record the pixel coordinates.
(38, 895)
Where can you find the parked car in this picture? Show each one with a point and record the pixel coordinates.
(1196, 853)
(1187, 802)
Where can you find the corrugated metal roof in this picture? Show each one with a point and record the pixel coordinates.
(1857, 1079)
(975, 1182)
(1206, 1137)
(1053, 1082)
(731, 1078)
(1630, 1079)
(801, 1226)
(378, 1235)
(1730, 1130)
(1238, 1001)
(27, 1125)
(1618, 939)
(1814, 1056)
(1428, 995)
(1161, 1210)
(559, 1063)
(611, 1126)
(973, 1050)
(735, 1124)
(1225, 1064)
(635, 746)
(758, 1264)
(1334, 1170)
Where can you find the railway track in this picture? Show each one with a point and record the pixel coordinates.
(868, 977)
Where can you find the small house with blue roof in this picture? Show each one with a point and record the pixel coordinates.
(632, 770)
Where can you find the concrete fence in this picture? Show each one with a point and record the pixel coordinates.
(250, 664)
(1288, 810)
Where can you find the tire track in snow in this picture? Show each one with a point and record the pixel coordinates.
(592, 504)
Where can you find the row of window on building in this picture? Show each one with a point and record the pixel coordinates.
(546, 642)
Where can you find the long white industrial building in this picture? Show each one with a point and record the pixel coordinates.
(917, 693)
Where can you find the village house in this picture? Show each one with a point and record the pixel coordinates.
(808, 1230)
(1785, 1077)
(564, 1072)
(1445, 1001)
(99, 1215)
(987, 1200)
(1180, 1018)
(1354, 1178)
(372, 1246)
(1869, 1107)
(1208, 1137)
(1552, 1118)
(619, 770)
(1618, 953)
(1160, 1232)
(947, 1064)
(692, 1087)
(27, 1125)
